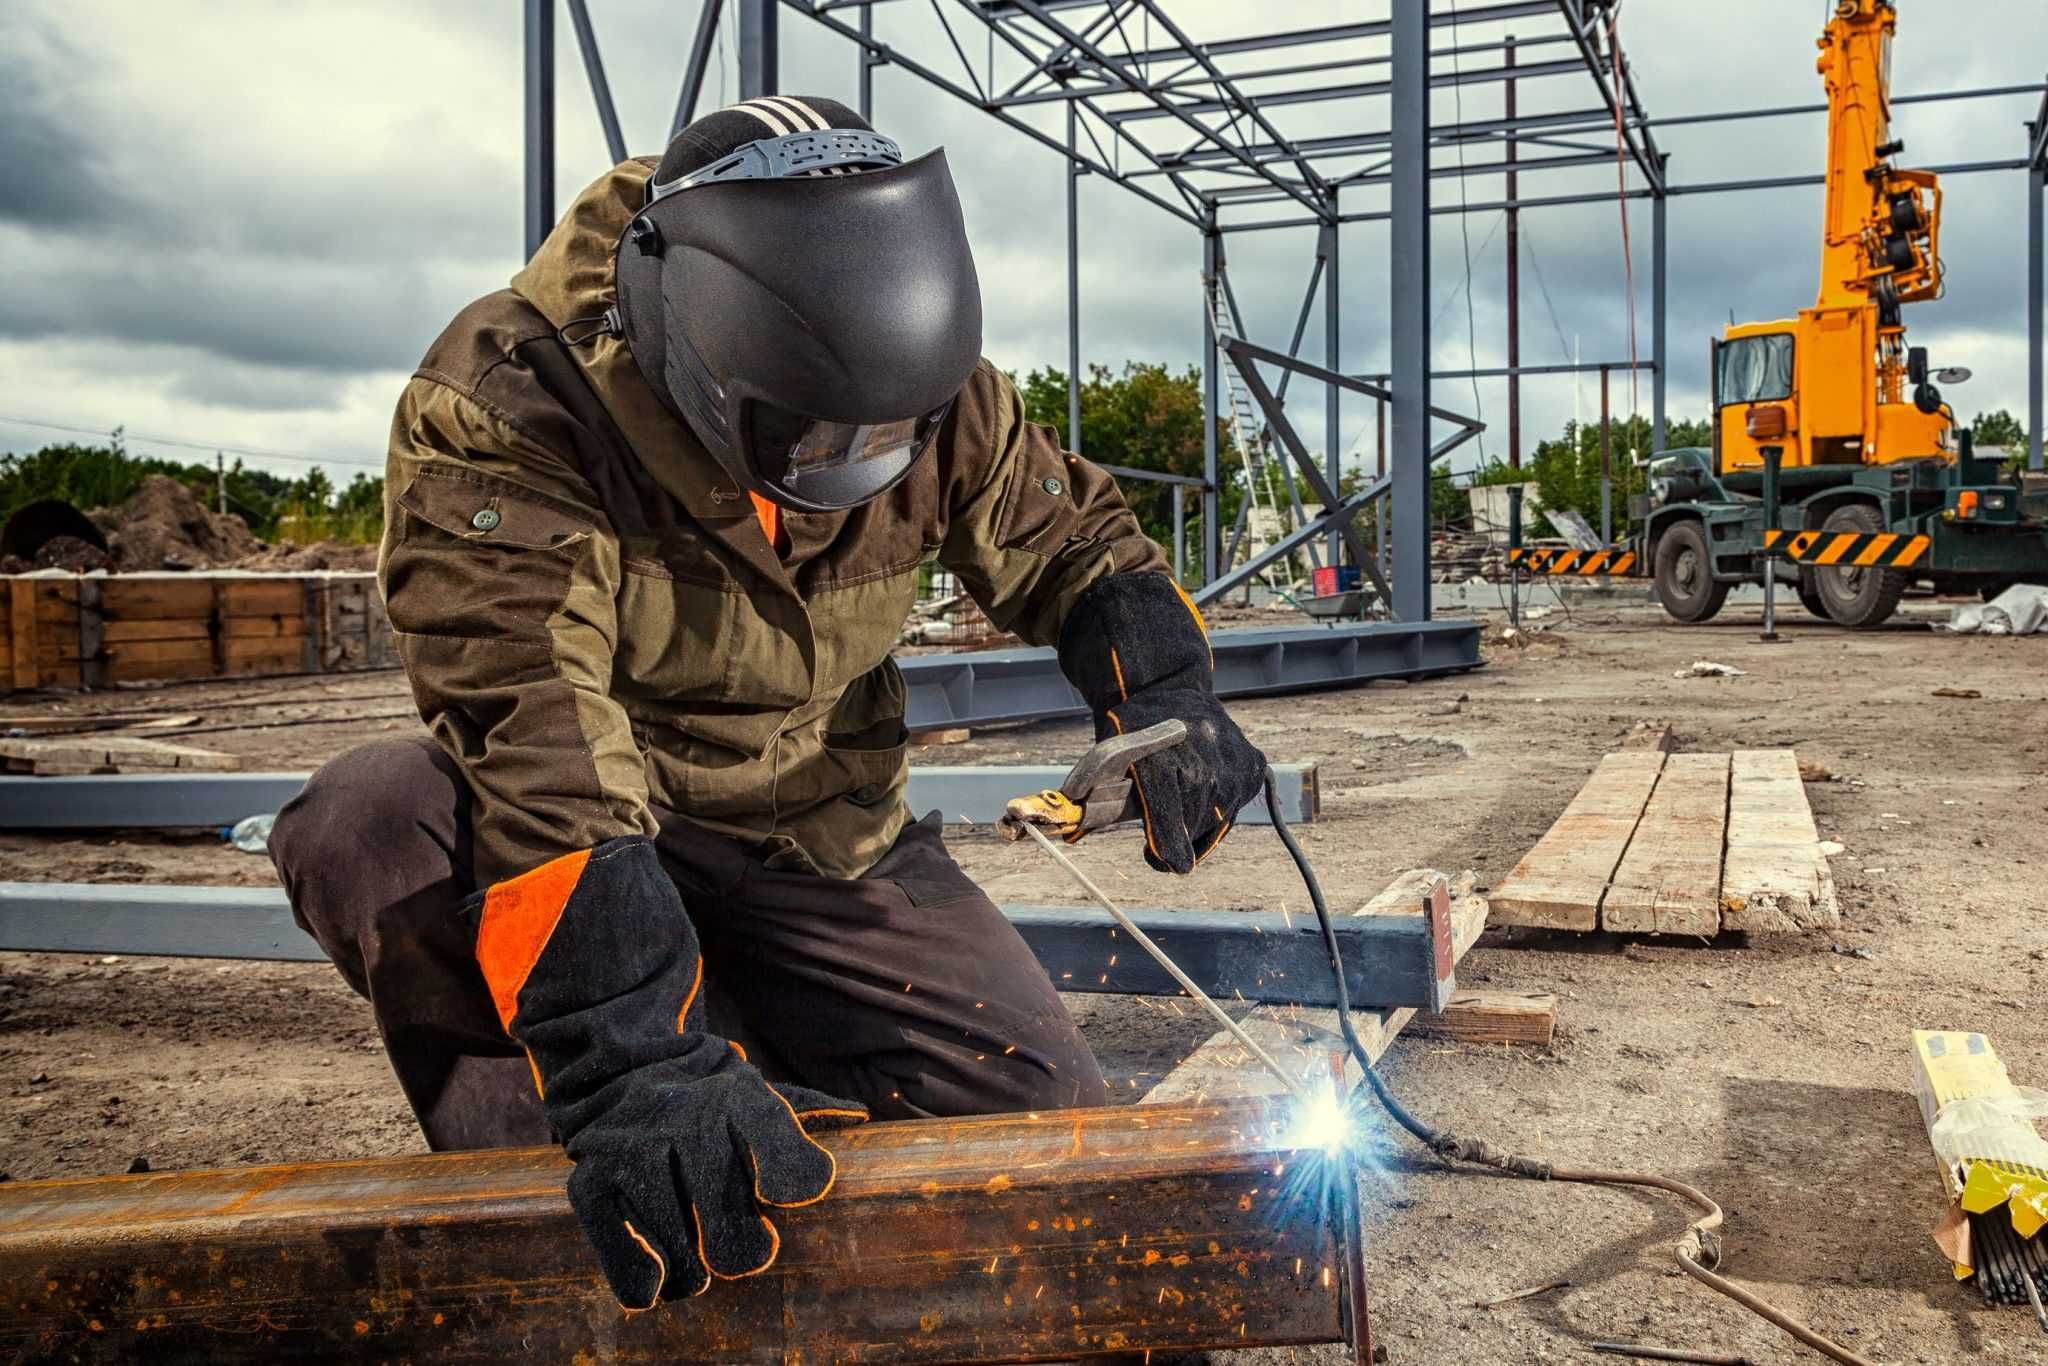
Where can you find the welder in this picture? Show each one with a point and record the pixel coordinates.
(655, 515)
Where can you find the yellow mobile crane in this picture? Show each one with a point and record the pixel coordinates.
(1879, 487)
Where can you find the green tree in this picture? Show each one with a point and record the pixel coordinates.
(2000, 429)
(1149, 418)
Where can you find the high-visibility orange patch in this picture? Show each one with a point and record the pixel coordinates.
(519, 917)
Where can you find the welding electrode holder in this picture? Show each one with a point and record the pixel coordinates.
(1099, 790)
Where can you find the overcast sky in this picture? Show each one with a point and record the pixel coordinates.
(241, 223)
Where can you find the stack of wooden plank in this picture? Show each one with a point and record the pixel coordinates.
(88, 631)
(1678, 844)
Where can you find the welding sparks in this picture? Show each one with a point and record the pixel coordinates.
(1324, 1121)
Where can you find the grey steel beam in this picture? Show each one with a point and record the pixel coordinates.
(1624, 108)
(1073, 285)
(2037, 136)
(1443, 136)
(970, 793)
(1164, 105)
(539, 54)
(700, 62)
(1409, 282)
(1659, 320)
(985, 686)
(1372, 28)
(2037, 185)
(760, 48)
(1333, 394)
(1267, 956)
(1788, 110)
(1155, 476)
(1504, 371)
(1442, 80)
(1212, 532)
(889, 55)
(600, 88)
(867, 63)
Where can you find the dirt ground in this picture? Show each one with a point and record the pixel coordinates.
(1773, 1075)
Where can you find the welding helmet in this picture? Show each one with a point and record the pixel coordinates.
(801, 298)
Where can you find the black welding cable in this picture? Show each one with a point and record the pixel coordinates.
(1698, 1252)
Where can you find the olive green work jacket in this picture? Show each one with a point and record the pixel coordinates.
(593, 620)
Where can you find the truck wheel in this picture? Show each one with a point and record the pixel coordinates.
(1685, 577)
(1811, 600)
(1853, 596)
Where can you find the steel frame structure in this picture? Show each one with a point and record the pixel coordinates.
(1188, 127)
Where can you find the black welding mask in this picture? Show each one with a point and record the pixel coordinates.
(801, 298)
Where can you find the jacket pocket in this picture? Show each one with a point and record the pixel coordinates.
(475, 556)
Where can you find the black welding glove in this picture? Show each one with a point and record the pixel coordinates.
(679, 1142)
(1137, 650)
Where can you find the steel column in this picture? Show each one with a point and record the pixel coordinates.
(1073, 284)
(868, 63)
(1606, 463)
(540, 122)
(1408, 269)
(1514, 250)
(600, 88)
(1659, 332)
(2037, 184)
(1180, 534)
(700, 62)
(760, 48)
(1212, 531)
(1333, 396)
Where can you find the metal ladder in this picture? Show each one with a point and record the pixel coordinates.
(1247, 430)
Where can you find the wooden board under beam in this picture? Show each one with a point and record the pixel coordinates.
(1493, 1017)
(1775, 878)
(1558, 885)
(1669, 880)
(1305, 1040)
(1007, 1238)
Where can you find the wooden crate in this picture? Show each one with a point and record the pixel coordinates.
(88, 632)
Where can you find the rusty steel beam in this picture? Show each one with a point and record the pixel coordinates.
(1003, 1238)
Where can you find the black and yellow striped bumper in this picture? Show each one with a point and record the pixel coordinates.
(1584, 563)
(1850, 549)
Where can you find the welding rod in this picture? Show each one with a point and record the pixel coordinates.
(1159, 956)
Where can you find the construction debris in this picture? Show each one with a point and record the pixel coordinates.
(2021, 610)
(1707, 668)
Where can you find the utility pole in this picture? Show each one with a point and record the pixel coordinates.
(220, 482)
(1514, 277)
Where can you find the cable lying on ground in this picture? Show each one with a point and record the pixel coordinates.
(1698, 1252)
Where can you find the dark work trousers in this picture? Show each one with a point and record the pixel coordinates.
(905, 989)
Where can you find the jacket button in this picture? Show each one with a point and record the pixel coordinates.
(486, 519)
(1052, 486)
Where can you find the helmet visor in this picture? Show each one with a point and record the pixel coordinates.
(808, 462)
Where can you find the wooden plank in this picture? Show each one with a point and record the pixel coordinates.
(1001, 1238)
(1493, 1017)
(134, 652)
(112, 754)
(1558, 884)
(156, 628)
(1775, 879)
(263, 628)
(262, 597)
(22, 632)
(63, 724)
(1303, 1040)
(92, 664)
(159, 670)
(126, 598)
(1669, 880)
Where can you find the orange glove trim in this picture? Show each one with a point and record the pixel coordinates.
(1200, 625)
(660, 1263)
(519, 917)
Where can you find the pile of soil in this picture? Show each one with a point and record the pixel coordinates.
(300, 559)
(68, 553)
(164, 526)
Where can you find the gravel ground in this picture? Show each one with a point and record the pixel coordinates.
(1773, 1075)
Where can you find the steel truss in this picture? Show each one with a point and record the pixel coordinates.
(1193, 128)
